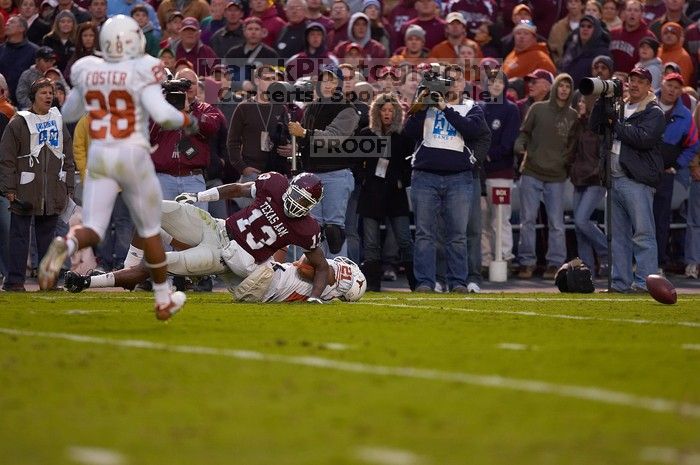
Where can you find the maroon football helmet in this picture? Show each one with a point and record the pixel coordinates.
(303, 193)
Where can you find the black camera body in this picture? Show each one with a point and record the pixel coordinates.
(436, 85)
(287, 92)
(601, 88)
(174, 90)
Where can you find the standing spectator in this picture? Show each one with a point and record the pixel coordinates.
(611, 14)
(37, 28)
(624, 40)
(582, 46)
(538, 85)
(452, 135)
(527, 54)
(674, 13)
(85, 44)
(16, 54)
(231, 35)
(197, 9)
(214, 21)
(456, 33)
(37, 173)
(80, 14)
(429, 19)
(546, 141)
(359, 32)
(140, 15)
(98, 12)
(193, 50)
(315, 13)
(383, 190)
(62, 37)
(692, 231)
(414, 52)
(672, 50)
(171, 37)
(377, 23)
(329, 116)
(4, 209)
(123, 7)
(544, 13)
(6, 107)
(503, 118)
(653, 10)
(678, 148)
(266, 11)
(563, 28)
(637, 166)
(648, 49)
(587, 178)
(45, 60)
(291, 37)
(313, 57)
(403, 12)
(241, 58)
(340, 15)
(475, 13)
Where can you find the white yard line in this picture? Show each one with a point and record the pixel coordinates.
(690, 324)
(594, 394)
(512, 346)
(515, 298)
(387, 456)
(669, 455)
(95, 456)
(691, 346)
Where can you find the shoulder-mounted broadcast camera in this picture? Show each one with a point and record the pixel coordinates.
(174, 91)
(601, 88)
(286, 92)
(437, 85)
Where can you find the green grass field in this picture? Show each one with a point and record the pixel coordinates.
(396, 379)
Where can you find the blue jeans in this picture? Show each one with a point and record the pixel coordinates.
(450, 197)
(532, 190)
(20, 227)
(4, 234)
(337, 187)
(172, 186)
(400, 225)
(351, 224)
(634, 235)
(692, 232)
(662, 215)
(474, 235)
(589, 237)
(115, 245)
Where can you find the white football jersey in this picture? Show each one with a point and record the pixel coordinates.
(111, 94)
(288, 286)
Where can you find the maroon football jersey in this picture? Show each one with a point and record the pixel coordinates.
(262, 228)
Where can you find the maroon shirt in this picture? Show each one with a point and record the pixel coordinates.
(401, 14)
(434, 31)
(624, 46)
(262, 228)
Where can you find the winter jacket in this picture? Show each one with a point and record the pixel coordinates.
(64, 50)
(434, 31)
(520, 64)
(680, 141)
(273, 24)
(640, 136)
(548, 137)
(291, 40)
(14, 60)
(678, 55)
(370, 47)
(198, 9)
(624, 46)
(46, 192)
(25, 82)
(586, 167)
(558, 35)
(224, 40)
(577, 57)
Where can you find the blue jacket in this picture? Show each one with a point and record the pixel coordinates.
(503, 119)
(680, 142)
(14, 60)
(473, 129)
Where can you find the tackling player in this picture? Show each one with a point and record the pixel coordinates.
(119, 92)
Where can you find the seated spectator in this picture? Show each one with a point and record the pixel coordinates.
(527, 54)
(414, 52)
(45, 60)
(140, 15)
(197, 9)
(648, 49)
(378, 26)
(672, 35)
(563, 28)
(359, 33)
(456, 35)
(582, 46)
(271, 21)
(231, 35)
(171, 36)
(62, 37)
(87, 41)
(192, 49)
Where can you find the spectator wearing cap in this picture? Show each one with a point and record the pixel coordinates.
(231, 35)
(429, 19)
(648, 59)
(37, 27)
(359, 33)
(80, 14)
(314, 56)
(45, 60)
(377, 24)
(197, 9)
(546, 143)
(521, 12)
(624, 40)
(672, 35)
(267, 12)
(340, 15)
(17, 54)
(98, 12)
(62, 37)
(528, 54)
(538, 84)
(678, 148)
(171, 37)
(193, 50)
(456, 36)
(403, 12)
(123, 7)
(637, 167)
(475, 13)
(291, 37)
(588, 41)
(214, 21)
(140, 15)
(316, 13)
(544, 13)
(414, 52)
(674, 13)
(563, 28)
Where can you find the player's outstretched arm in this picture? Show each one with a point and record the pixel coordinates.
(74, 107)
(316, 259)
(227, 191)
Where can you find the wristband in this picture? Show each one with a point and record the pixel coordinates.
(209, 195)
(314, 300)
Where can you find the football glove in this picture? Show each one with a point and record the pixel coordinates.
(314, 300)
(187, 197)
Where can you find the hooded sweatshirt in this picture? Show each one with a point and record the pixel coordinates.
(370, 47)
(520, 64)
(309, 61)
(548, 136)
(677, 54)
(578, 57)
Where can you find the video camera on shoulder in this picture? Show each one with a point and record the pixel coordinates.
(175, 91)
(287, 92)
(437, 85)
(601, 88)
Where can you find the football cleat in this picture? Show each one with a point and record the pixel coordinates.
(304, 192)
(75, 282)
(51, 264)
(177, 301)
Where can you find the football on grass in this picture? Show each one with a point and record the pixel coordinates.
(661, 289)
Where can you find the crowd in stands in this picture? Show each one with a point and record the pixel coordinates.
(515, 67)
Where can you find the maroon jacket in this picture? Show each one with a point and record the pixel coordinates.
(169, 161)
(274, 25)
(624, 46)
(202, 57)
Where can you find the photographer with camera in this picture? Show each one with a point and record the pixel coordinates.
(181, 160)
(636, 166)
(453, 139)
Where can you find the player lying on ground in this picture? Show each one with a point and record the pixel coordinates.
(270, 282)
(119, 92)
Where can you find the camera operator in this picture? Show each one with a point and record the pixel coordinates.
(636, 169)
(333, 118)
(454, 138)
(181, 160)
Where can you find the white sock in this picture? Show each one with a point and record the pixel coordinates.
(72, 244)
(133, 257)
(102, 280)
(162, 292)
